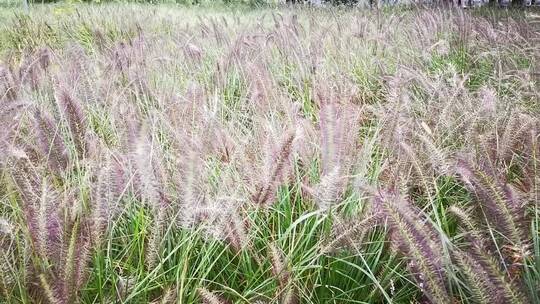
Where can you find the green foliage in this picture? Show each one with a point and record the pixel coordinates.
(168, 122)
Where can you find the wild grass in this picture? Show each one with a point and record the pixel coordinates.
(160, 154)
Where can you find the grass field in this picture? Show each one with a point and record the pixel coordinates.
(174, 154)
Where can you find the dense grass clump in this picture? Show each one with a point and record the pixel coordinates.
(152, 154)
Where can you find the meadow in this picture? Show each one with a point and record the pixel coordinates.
(218, 154)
